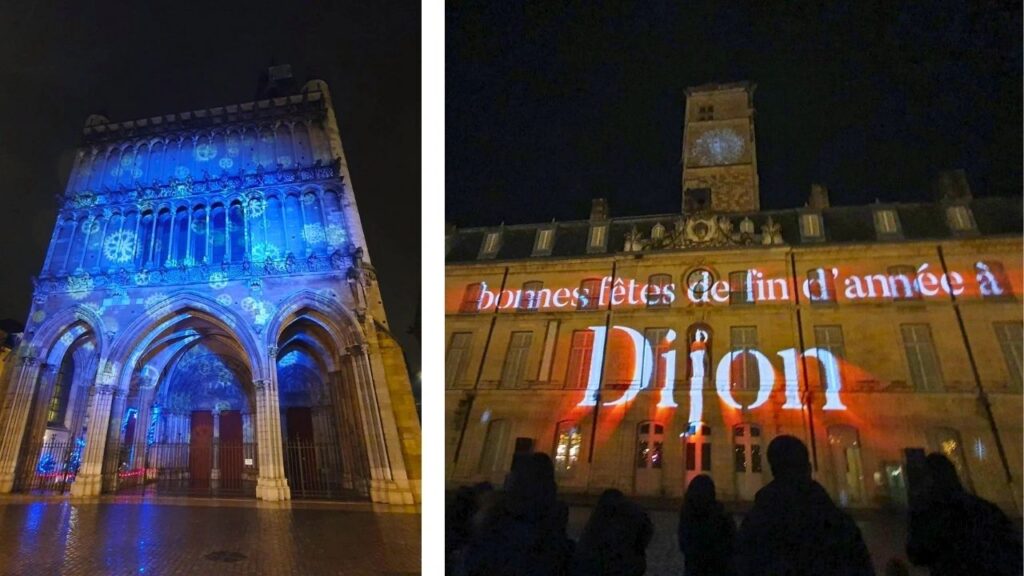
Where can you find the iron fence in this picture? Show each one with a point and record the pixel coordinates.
(222, 469)
(313, 470)
(53, 470)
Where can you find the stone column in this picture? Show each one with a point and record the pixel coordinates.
(272, 484)
(112, 449)
(90, 474)
(15, 415)
(142, 424)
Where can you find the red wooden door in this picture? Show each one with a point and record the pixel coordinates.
(300, 445)
(200, 449)
(230, 456)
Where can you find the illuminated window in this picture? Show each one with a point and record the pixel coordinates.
(579, 359)
(902, 283)
(1011, 340)
(659, 288)
(598, 237)
(492, 241)
(746, 447)
(698, 448)
(494, 456)
(810, 226)
(514, 371)
(471, 298)
(821, 286)
(544, 242)
(568, 440)
(529, 298)
(743, 373)
(61, 390)
(959, 218)
(650, 439)
(830, 338)
(589, 294)
(886, 222)
(457, 360)
(947, 442)
(740, 291)
(921, 358)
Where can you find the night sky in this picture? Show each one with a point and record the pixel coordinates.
(59, 66)
(548, 108)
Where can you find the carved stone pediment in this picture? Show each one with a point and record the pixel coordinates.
(703, 230)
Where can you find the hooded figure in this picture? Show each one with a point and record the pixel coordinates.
(524, 532)
(614, 541)
(706, 531)
(953, 532)
(794, 527)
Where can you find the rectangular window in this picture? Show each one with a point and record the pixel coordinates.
(597, 236)
(457, 360)
(830, 338)
(471, 298)
(921, 357)
(579, 359)
(810, 226)
(529, 298)
(1011, 340)
(659, 345)
(959, 218)
(567, 447)
(589, 294)
(659, 291)
(493, 457)
(885, 222)
(542, 246)
(743, 368)
(740, 291)
(514, 371)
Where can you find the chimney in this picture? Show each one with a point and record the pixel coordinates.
(818, 199)
(598, 210)
(952, 186)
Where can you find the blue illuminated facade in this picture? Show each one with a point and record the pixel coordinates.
(210, 266)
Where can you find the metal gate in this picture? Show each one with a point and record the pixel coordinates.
(313, 470)
(53, 470)
(229, 469)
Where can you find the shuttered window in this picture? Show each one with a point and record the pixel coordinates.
(514, 372)
(921, 357)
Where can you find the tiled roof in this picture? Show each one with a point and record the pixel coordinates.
(842, 224)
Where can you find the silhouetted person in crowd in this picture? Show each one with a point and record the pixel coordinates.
(614, 541)
(794, 527)
(953, 532)
(460, 517)
(524, 532)
(707, 533)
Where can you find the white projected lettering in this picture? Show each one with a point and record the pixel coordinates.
(753, 286)
(644, 370)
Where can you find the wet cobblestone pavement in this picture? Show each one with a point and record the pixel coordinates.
(51, 537)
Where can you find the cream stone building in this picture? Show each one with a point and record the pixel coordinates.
(208, 321)
(639, 352)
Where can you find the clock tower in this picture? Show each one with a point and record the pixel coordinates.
(719, 153)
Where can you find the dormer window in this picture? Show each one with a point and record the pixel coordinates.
(887, 222)
(598, 238)
(960, 218)
(657, 232)
(544, 242)
(810, 226)
(492, 241)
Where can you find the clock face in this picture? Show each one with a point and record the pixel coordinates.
(717, 147)
(699, 281)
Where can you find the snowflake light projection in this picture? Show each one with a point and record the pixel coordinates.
(262, 251)
(119, 246)
(181, 172)
(718, 146)
(260, 310)
(309, 199)
(199, 225)
(226, 163)
(218, 280)
(91, 225)
(142, 278)
(127, 159)
(38, 316)
(335, 235)
(314, 233)
(225, 300)
(256, 207)
(206, 152)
